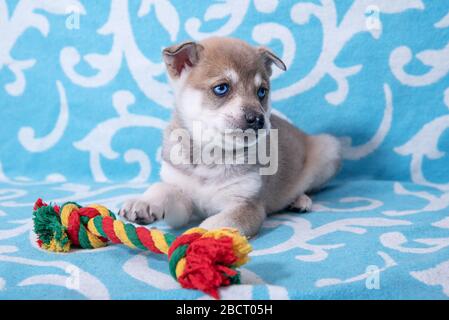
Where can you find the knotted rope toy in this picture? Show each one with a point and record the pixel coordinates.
(198, 259)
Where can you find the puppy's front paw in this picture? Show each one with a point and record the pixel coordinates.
(224, 221)
(302, 204)
(140, 211)
(220, 221)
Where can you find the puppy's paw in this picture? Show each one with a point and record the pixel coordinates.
(221, 221)
(302, 204)
(141, 211)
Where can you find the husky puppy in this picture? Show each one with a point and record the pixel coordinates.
(224, 84)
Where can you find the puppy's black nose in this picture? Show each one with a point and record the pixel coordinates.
(254, 120)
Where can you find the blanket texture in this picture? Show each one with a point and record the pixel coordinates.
(84, 99)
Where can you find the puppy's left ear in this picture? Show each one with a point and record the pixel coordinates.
(180, 56)
(269, 58)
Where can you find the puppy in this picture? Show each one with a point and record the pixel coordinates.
(223, 84)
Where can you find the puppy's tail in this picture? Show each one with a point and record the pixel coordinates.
(323, 160)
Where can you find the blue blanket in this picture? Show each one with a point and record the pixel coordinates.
(84, 98)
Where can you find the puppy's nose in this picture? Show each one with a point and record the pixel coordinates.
(254, 120)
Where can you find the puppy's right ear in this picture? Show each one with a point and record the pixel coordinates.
(180, 56)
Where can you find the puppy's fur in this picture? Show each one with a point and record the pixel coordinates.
(230, 195)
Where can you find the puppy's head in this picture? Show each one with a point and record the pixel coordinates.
(221, 82)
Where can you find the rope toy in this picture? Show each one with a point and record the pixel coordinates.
(198, 259)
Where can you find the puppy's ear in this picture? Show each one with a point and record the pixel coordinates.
(180, 56)
(269, 58)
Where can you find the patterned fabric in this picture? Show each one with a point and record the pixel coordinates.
(84, 97)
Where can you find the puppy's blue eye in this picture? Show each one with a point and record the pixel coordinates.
(221, 89)
(261, 93)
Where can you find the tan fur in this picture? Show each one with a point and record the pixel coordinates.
(230, 195)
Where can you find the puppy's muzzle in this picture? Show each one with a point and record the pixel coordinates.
(254, 120)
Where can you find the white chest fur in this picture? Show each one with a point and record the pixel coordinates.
(213, 190)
